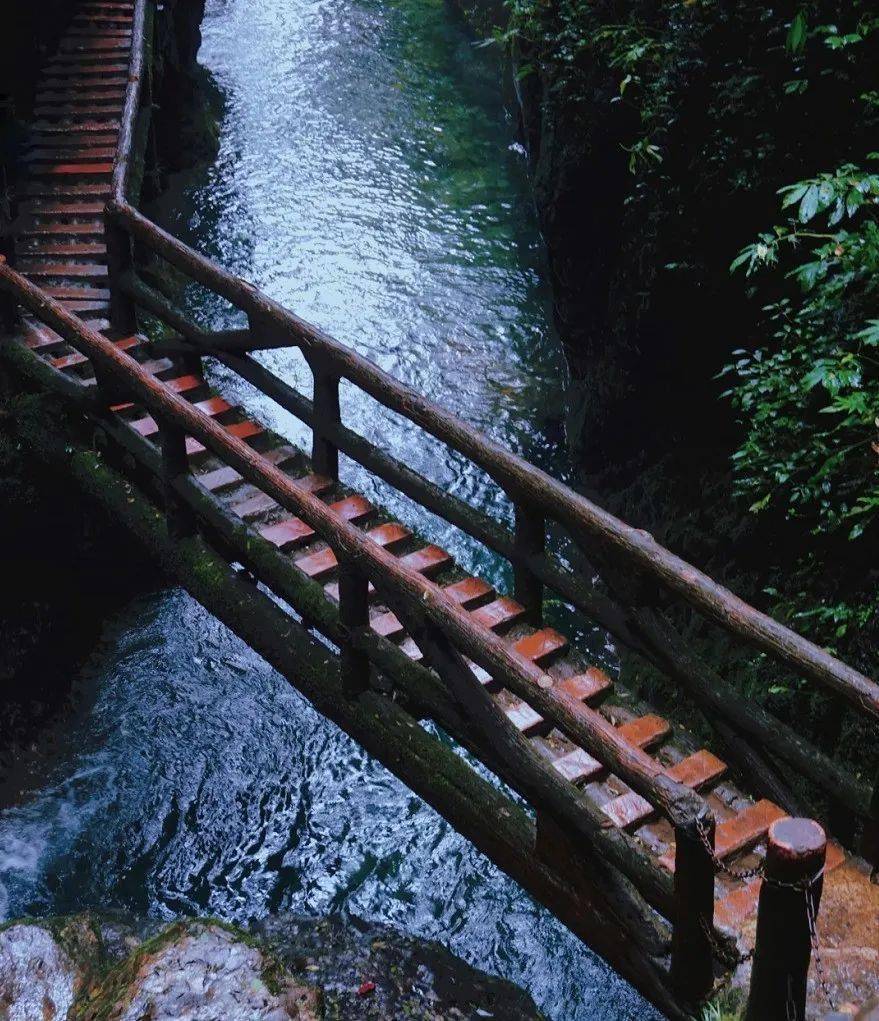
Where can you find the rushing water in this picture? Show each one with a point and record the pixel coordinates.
(369, 179)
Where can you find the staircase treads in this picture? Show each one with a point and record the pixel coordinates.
(323, 562)
(61, 189)
(260, 503)
(49, 249)
(499, 613)
(212, 407)
(74, 293)
(294, 532)
(89, 153)
(584, 687)
(225, 477)
(179, 385)
(52, 230)
(469, 592)
(71, 361)
(60, 271)
(241, 430)
(62, 208)
(101, 127)
(542, 646)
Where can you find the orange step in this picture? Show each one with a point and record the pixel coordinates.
(77, 358)
(739, 833)
(542, 646)
(78, 169)
(213, 407)
(585, 687)
(645, 731)
(45, 249)
(262, 502)
(501, 612)
(469, 592)
(79, 270)
(180, 385)
(294, 532)
(527, 719)
(320, 564)
(387, 625)
(242, 430)
(222, 478)
(428, 561)
(696, 771)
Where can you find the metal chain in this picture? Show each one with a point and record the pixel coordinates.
(721, 866)
(733, 960)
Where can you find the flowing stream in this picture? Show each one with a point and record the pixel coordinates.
(368, 178)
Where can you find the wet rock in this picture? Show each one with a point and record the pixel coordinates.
(37, 978)
(115, 967)
(370, 972)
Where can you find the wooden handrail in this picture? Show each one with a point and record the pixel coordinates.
(632, 547)
(400, 585)
(131, 106)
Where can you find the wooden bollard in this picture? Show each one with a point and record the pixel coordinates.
(794, 871)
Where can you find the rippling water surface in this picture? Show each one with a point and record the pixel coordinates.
(369, 179)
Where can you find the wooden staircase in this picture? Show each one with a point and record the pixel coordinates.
(62, 247)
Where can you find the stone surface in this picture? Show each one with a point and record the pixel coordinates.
(210, 975)
(116, 967)
(38, 981)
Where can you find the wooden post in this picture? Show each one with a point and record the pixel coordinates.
(175, 461)
(324, 454)
(791, 892)
(692, 955)
(8, 308)
(530, 538)
(353, 614)
(120, 261)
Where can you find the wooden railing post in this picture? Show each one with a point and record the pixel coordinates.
(324, 454)
(8, 308)
(530, 539)
(692, 960)
(786, 914)
(120, 261)
(175, 462)
(353, 614)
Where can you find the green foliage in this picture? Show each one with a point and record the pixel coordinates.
(810, 398)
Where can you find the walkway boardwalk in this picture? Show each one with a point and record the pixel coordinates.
(62, 248)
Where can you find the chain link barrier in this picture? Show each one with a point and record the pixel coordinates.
(733, 960)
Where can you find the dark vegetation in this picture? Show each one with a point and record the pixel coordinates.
(707, 182)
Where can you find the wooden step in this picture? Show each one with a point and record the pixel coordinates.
(542, 646)
(65, 292)
(469, 592)
(79, 45)
(62, 270)
(579, 766)
(101, 127)
(740, 833)
(213, 407)
(293, 533)
(71, 113)
(645, 731)
(63, 189)
(586, 687)
(260, 503)
(60, 208)
(428, 561)
(78, 83)
(51, 230)
(180, 384)
(242, 430)
(698, 771)
(500, 613)
(322, 563)
(80, 154)
(527, 720)
(226, 477)
(40, 338)
(67, 362)
(45, 250)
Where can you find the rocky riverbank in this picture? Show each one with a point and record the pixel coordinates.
(95, 967)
